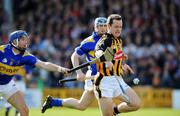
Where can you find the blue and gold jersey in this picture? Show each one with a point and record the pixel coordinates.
(23, 71)
(11, 64)
(87, 47)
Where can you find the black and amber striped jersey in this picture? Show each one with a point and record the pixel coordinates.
(108, 40)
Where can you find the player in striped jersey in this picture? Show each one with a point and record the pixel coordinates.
(86, 48)
(109, 82)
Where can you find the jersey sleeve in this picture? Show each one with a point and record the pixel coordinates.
(83, 48)
(28, 69)
(30, 60)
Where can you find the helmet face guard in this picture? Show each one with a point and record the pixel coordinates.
(16, 36)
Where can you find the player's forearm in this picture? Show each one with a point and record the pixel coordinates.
(127, 69)
(48, 66)
(52, 67)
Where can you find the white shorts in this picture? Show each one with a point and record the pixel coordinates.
(88, 82)
(8, 90)
(110, 86)
(21, 85)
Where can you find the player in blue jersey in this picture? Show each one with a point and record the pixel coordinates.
(12, 57)
(86, 48)
(23, 74)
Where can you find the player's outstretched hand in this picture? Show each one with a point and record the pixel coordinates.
(64, 70)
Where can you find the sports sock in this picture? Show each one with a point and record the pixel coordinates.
(116, 111)
(7, 111)
(56, 102)
(16, 113)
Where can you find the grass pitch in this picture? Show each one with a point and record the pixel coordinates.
(95, 112)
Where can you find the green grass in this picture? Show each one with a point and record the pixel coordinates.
(95, 112)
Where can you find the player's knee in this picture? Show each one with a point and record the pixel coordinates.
(27, 111)
(107, 113)
(24, 112)
(81, 107)
(136, 107)
(136, 104)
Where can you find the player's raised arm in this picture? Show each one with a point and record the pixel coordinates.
(51, 67)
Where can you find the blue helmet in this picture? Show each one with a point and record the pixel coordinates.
(17, 35)
(100, 21)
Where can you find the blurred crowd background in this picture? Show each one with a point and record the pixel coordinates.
(151, 35)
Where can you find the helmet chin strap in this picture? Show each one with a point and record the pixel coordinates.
(16, 46)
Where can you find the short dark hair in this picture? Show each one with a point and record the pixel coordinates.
(113, 17)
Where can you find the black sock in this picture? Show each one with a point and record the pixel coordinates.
(7, 111)
(16, 112)
(116, 111)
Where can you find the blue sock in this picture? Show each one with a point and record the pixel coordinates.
(8, 108)
(56, 102)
